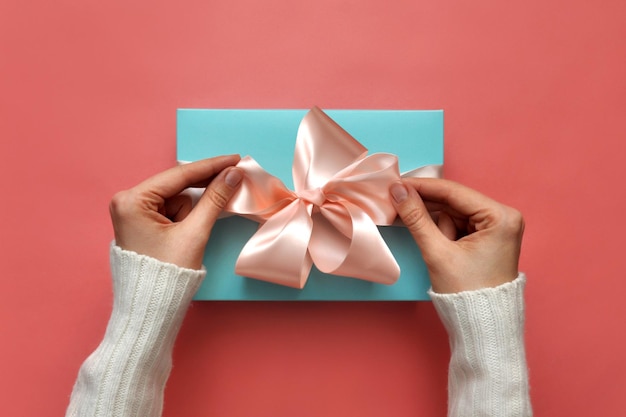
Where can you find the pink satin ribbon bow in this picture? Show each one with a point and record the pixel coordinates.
(331, 218)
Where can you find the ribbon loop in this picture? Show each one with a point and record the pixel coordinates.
(284, 236)
(323, 148)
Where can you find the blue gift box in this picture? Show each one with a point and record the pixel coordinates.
(416, 137)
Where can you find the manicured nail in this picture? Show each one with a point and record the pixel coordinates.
(399, 192)
(233, 177)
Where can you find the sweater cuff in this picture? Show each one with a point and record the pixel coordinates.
(467, 315)
(126, 374)
(150, 296)
(488, 372)
(448, 300)
(140, 281)
(133, 262)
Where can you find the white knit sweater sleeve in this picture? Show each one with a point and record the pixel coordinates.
(488, 374)
(126, 374)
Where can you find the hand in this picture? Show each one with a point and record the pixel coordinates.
(154, 219)
(468, 241)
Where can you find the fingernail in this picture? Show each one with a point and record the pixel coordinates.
(233, 177)
(399, 192)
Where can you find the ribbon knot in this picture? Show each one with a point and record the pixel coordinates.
(331, 218)
(315, 196)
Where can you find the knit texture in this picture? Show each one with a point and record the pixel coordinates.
(488, 374)
(126, 374)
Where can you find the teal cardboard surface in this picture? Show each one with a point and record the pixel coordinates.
(269, 137)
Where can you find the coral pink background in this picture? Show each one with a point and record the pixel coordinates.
(534, 94)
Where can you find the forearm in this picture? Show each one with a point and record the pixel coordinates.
(126, 374)
(488, 374)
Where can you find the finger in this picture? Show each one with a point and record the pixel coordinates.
(447, 226)
(178, 207)
(171, 182)
(214, 199)
(435, 207)
(459, 198)
(413, 213)
(460, 221)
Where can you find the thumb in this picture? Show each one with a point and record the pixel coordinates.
(415, 216)
(214, 199)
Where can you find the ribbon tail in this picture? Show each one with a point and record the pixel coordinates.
(426, 171)
(277, 252)
(260, 195)
(365, 184)
(345, 241)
